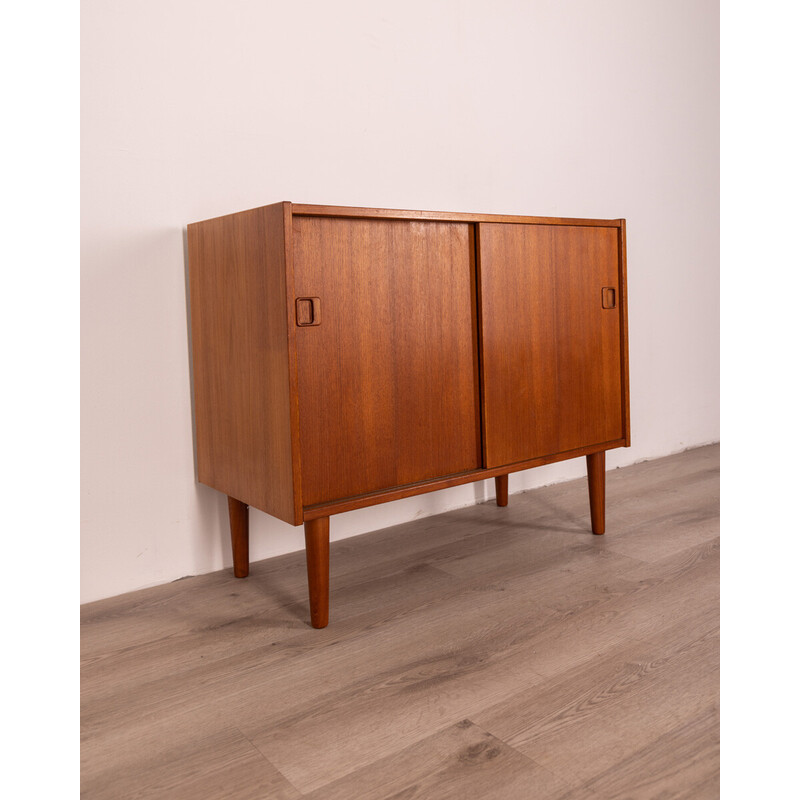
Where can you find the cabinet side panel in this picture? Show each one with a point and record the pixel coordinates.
(240, 348)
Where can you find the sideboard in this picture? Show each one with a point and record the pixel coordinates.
(344, 357)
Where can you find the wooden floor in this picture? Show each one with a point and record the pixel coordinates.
(484, 653)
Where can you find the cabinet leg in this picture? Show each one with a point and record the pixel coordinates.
(501, 490)
(596, 470)
(318, 564)
(240, 536)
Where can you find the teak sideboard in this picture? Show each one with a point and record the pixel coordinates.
(344, 357)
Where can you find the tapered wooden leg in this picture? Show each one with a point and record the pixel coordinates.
(501, 490)
(240, 536)
(596, 470)
(318, 564)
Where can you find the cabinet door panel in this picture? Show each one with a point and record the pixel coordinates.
(551, 355)
(388, 384)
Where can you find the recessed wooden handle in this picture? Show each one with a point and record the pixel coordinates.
(307, 311)
(609, 297)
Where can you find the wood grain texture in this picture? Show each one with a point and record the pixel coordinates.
(587, 666)
(625, 684)
(550, 354)
(317, 533)
(239, 518)
(217, 765)
(458, 763)
(596, 475)
(241, 360)
(388, 382)
(682, 763)
(501, 490)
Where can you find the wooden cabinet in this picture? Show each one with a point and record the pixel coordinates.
(344, 357)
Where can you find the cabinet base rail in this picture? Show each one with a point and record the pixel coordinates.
(317, 533)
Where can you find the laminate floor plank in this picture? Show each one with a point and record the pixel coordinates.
(487, 650)
(596, 617)
(152, 679)
(275, 586)
(222, 765)
(419, 676)
(680, 764)
(309, 669)
(419, 665)
(460, 762)
(503, 654)
(264, 635)
(593, 717)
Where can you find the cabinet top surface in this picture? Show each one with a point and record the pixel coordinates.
(353, 212)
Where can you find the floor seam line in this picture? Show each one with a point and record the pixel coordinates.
(265, 758)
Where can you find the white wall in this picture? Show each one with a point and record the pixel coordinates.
(196, 108)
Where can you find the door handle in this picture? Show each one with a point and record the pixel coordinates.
(307, 311)
(609, 297)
